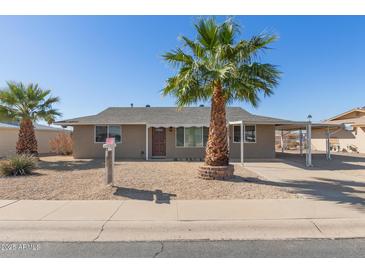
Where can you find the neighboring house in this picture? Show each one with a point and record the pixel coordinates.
(166, 132)
(9, 136)
(350, 138)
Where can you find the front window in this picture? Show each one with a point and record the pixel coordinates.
(191, 136)
(249, 134)
(103, 132)
(237, 134)
(180, 137)
(114, 132)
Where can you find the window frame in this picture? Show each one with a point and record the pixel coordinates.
(244, 134)
(184, 146)
(107, 133)
(176, 146)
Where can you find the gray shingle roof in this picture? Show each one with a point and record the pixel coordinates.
(167, 116)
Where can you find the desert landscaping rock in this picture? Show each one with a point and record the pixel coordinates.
(64, 178)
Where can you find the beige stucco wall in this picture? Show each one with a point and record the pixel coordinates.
(134, 142)
(9, 137)
(263, 148)
(343, 137)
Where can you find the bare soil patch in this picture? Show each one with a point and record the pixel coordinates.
(64, 178)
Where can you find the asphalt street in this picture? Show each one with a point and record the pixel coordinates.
(336, 248)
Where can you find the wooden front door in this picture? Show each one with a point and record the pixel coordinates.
(159, 142)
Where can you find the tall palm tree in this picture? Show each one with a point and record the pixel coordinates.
(27, 104)
(218, 67)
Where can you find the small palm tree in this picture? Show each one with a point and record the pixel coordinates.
(27, 104)
(217, 67)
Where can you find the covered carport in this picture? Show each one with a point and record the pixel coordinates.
(303, 129)
(324, 131)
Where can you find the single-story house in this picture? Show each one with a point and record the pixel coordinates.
(9, 136)
(350, 137)
(167, 132)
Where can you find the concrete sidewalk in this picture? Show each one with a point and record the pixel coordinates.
(132, 220)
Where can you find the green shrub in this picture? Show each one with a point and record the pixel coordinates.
(22, 164)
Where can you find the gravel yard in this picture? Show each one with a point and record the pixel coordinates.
(63, 178)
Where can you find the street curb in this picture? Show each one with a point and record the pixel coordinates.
(89, 231)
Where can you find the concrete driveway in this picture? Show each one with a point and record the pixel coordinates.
(341, 179)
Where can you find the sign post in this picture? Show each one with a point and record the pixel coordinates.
(109, 159)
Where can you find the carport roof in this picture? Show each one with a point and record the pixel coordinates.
(302, 125)
(15, 125)
(169, 116)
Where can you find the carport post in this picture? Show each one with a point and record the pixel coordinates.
(146, 152)
(309, 145)
(242, 141)
(300, 142)
(229, 146)
(328, 145)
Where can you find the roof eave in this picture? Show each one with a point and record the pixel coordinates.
(178, 124)
(94, 123)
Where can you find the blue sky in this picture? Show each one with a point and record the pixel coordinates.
(92, 62)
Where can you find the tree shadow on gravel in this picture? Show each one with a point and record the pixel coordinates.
(71, 165)
(241, 179)
(339, 191)
(158, 195)
(324, 189)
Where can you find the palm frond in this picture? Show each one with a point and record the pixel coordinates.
(247, 51)
(178, 57)
(196, 48)
(18, 102)
(228, 31)
(207, 32)
(215, 57)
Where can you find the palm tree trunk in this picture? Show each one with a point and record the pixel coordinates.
(216, 153)
(27, 143)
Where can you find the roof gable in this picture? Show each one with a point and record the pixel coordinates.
(353, 113)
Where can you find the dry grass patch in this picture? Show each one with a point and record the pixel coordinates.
(63, 178)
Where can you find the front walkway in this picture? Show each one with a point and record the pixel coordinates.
(130, 220)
